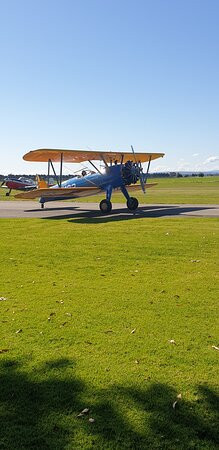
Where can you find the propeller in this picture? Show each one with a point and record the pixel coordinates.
(142, 176)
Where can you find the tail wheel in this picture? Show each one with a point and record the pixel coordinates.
(132, 203)
(105, 206)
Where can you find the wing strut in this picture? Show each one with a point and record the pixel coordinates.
(58, 179)
(146, 174)
(105, 163)
(94, 166)
(48, 173)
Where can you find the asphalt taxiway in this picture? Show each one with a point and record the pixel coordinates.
(85, 211)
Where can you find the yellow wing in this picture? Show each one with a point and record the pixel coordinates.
(77, 156)
(73, 192)
(137, 187)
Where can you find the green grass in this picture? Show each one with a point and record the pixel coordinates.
(173, 190)
(77, 290)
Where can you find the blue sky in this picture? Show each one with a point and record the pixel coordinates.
(105, 74)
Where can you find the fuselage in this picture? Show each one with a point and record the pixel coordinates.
(112, 176)
(19, 184)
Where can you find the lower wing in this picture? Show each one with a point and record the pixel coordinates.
(73, 192)
(137, 187)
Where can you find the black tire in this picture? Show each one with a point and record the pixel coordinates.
(42, 205)
(132, 203)
(105, 206)
(7, 194)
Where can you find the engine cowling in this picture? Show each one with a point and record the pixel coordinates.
(130, 173)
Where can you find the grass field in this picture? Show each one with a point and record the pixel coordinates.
(87, 316)
(173, 190)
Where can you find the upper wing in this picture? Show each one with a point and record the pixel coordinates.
(77, 156)
(73, 192)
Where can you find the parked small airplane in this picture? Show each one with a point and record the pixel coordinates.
(18, 184)
(122, 171)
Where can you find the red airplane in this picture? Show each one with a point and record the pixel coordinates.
(19, 184)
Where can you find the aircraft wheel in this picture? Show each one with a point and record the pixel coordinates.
(42, 205)
(7, 194)
(105, 206)
(132, 203)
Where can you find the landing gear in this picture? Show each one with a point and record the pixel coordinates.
(132, 203)
(42, 202)
(105, 206)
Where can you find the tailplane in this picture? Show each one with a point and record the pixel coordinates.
(41, 184)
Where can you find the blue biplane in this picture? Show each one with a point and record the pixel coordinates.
(122, 170)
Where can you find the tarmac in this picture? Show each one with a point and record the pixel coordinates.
(90, 212)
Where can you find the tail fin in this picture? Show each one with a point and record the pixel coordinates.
(41, 184)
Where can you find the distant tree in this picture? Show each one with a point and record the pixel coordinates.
(179, 175)
(201, 174)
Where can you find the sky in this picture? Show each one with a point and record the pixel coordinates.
(108, 74)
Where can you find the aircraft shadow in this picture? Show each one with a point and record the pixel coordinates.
(62, 208)
(143, 212)
(40, 412)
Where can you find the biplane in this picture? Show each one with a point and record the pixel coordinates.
(18, 184)
(122, 170)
